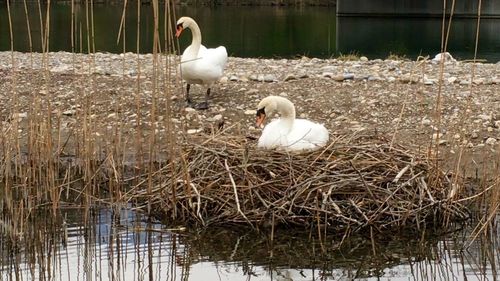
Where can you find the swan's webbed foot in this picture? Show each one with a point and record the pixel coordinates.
(202, 106)
(191, 104)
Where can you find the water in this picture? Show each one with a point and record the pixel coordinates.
(261, 32)
(103, 244)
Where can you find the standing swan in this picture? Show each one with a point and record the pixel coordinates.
(200, 65)
(287, 132)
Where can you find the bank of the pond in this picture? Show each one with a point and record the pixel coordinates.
(398, 99)
(103, 109)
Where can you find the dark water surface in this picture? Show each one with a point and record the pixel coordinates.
(104, 244)
(258, 32)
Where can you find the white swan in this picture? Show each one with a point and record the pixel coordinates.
(287, 132)
(200, 65)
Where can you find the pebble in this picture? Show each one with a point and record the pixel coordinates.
(69, 112)
(338, 78)
(348, 76)
(194, 131)
(484, 117)
(290, 77)
(491, 141)
(426, 121)
(217, 117)
(270, 78)
(329, 75)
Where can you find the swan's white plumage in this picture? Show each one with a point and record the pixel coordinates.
(288, 133)
(205, 67)
(201, 65)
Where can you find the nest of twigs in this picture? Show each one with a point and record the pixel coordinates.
(355, 182)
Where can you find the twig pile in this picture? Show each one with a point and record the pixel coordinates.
(353, 183)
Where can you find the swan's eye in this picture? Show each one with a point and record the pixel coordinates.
(179, 26)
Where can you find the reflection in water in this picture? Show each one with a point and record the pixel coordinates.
(109, 245)
(257, 32)
(416, 36)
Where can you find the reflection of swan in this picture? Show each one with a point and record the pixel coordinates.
(200, 65)
(289, 275)
(287, 132)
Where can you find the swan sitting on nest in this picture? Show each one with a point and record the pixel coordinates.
(288, 133)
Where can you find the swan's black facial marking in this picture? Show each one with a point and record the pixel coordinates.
(261, 116)
(261, 111)
(179, 29)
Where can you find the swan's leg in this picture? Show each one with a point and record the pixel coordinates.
(204, 105)
(188, 99)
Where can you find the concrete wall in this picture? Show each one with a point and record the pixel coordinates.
(416, 8)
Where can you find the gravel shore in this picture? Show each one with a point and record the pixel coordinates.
(395, 99)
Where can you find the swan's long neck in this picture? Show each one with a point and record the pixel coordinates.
(287, 111)
(196, 41)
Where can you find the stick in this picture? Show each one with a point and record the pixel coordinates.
(235, 192)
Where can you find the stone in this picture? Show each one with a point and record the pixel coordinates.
(484, 117)
(338, 78)
(491, 141)
(217, 117)
(363, 58)
(269, 78)
(329, 75)
(69, 112)
(290, 77)
(251, 91)
(348, 76)
(194, 131)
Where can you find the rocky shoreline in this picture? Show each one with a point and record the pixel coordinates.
(396, 99)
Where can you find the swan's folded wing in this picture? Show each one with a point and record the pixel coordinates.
(208, 66)
(307, 135)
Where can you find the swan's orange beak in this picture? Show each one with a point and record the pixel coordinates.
(260, 119)
(179, 31)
